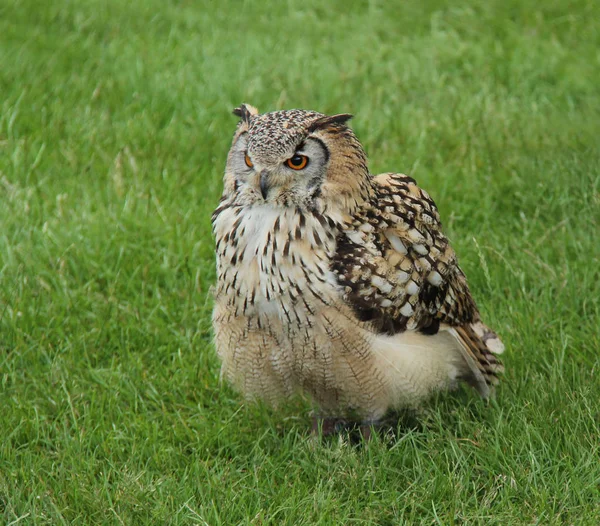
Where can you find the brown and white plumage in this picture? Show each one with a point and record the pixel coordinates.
(335, 282)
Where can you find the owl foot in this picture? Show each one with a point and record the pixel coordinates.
(331, 426)
(328, 426)
(367, 431)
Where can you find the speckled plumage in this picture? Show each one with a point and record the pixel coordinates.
(334, 282)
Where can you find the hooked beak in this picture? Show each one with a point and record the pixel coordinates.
(264, 183)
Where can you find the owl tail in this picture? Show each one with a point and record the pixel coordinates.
(479, 346)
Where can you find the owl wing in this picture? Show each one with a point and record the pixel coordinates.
(399, 272)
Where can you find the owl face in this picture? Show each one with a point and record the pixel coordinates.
(281, 158)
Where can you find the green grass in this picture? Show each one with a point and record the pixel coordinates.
(114, 126)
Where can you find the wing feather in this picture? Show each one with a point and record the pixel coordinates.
(399, 273)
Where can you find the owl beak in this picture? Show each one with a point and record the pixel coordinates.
(264, 183)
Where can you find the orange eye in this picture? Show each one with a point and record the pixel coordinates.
(248, 161)
(297, 162)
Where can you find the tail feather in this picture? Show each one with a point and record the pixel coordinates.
(479, 346)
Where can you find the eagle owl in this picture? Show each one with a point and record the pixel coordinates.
(335, 282)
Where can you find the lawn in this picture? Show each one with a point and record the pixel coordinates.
(115, 120)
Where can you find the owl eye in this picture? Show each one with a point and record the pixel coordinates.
(298, 162)
(248, 161)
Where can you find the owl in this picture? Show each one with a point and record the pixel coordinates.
(334, 282)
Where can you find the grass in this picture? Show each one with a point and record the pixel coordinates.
(114, 126)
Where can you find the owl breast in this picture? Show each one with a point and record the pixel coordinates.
(274, 261)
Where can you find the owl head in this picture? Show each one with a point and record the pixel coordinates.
(295, 158)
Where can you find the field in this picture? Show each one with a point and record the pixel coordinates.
(115, 120)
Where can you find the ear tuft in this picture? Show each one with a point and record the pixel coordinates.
(329, 120)
(245, 112)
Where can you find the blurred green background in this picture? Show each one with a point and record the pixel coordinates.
(115, 120)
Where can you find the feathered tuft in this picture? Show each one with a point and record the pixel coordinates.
(245, 112)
